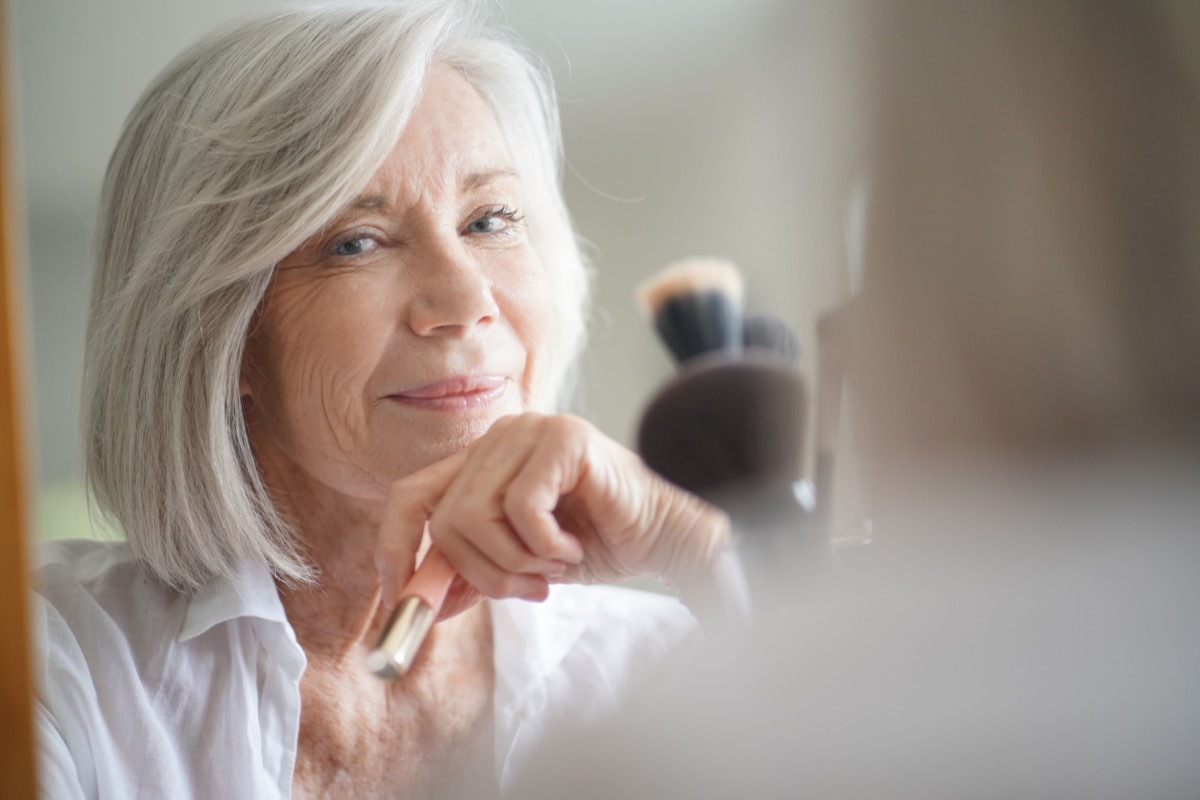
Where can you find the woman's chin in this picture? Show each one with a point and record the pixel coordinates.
(420, 444)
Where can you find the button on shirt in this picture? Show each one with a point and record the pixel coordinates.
(147, 693)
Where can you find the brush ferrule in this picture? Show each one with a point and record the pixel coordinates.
(402, 639)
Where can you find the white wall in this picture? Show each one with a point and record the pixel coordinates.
(693, 127)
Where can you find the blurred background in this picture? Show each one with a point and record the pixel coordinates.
(1034, 335)
(691, 127)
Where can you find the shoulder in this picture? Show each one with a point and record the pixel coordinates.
(574, 658)
(102, 625)
(83, 563)
(120, 654)
(619, 613)
(98, 615)
(96, 594)
(590, 638)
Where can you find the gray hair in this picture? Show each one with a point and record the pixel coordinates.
(243, 148)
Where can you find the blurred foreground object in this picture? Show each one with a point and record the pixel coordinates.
(730, 428)
(1027, 347)
(1033, 252)
(16, 671)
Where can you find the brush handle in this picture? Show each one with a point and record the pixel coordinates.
(420, 603)
(431, 582)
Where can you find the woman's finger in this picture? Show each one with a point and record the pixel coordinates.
(494, 458)
(410, 502)
(492, 580)
(491, 537)
(477, 506)
(459, 494)
(552, 470)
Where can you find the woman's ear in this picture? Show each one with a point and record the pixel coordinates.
(245, 385)
(249, 359)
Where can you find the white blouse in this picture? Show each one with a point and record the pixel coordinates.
(146, 693)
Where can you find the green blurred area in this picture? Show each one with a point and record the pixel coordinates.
(62, 513)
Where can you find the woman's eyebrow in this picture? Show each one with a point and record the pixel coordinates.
(470, 182)
(475, 180)
(370, 202)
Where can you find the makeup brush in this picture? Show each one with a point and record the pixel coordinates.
(731, 426)
(726, 426)
(738, 378)
(771, 334)
(420, 602)
(696, 306)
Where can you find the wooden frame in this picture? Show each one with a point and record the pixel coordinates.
(17, 749)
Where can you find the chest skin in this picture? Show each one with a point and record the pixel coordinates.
(429, 734)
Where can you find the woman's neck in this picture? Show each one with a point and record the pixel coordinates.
(352, 723)
(338, 615)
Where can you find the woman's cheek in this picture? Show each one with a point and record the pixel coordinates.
(318, 356)
(531, 313)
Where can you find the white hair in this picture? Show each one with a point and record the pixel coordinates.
(243, 148)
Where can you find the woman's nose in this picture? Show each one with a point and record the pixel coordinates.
(454, 293)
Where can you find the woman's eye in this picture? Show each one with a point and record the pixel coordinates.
(494, 220)
(352, 246)
(486, 225)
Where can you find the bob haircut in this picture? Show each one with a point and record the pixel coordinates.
(243, 148)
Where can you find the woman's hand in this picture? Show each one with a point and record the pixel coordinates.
(541, 499)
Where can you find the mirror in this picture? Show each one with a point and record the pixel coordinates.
(691, 127)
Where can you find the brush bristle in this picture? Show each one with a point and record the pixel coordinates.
(727, 424)
(772, 334)
(690, 276)
(696, 306)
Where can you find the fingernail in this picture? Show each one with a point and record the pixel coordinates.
(387, 588)
(574, 550)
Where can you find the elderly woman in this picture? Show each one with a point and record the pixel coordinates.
(337, 291)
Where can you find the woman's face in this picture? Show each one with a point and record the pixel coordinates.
(397, 335)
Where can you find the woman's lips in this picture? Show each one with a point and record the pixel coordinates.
(457, 393)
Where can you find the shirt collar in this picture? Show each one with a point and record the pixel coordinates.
(249, 592)
(530, 640)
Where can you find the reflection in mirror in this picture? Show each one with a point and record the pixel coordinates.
(1022, 350)
(332, 268)
(720, 131)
